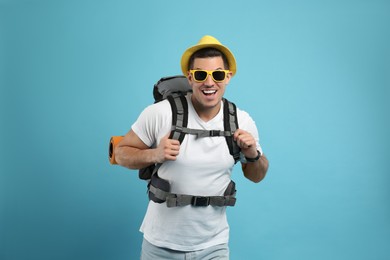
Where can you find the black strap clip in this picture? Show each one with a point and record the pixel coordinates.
(215, 133)
(200, 201)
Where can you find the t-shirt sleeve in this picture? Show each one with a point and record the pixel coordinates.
(246, 123)
(153, 123)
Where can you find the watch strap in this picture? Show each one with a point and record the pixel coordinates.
(254, 159)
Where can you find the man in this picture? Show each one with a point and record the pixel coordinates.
(197, 166)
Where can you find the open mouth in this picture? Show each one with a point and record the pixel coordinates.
(209, 92)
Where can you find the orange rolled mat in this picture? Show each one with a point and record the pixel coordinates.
(113, 142)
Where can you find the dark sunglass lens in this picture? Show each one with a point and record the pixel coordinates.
(200, 75)
(219, 75)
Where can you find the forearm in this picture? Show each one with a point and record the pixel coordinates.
(256, 171)
(134, 158)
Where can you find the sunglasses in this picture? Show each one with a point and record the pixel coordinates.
(201, 75)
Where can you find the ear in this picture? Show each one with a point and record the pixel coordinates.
(189, 77)
(229, 76)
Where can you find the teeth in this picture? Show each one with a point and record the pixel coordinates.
(209, 91)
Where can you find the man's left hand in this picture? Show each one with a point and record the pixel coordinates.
(246, 142)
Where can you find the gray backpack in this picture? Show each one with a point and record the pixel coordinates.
(174, 90)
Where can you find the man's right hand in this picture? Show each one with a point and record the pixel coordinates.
(167, 149)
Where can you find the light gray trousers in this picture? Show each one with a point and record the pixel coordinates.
(152, 252)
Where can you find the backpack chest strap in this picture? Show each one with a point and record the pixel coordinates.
(201, 132)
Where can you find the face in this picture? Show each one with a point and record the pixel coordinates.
(207, 95)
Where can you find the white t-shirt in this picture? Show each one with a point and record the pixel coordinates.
(203, 168)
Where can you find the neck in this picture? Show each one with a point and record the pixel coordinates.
(206, 113)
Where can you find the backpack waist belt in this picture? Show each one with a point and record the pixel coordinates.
(159, 192)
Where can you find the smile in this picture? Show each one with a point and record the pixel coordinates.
(209, 92)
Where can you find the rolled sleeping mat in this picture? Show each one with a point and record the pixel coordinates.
(113, 143)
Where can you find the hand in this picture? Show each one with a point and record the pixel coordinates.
(246, 142)
(167, 149)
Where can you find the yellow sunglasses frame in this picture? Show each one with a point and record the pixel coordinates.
(209, 72)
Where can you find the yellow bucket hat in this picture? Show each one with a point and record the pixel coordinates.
(206, 42)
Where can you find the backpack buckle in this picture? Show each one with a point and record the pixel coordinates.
(215, 133)
(200, 201)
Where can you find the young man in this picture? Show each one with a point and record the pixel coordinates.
(197, 166)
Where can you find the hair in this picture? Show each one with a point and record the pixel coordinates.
(207, 53)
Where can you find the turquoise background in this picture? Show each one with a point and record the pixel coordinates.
(314, 75)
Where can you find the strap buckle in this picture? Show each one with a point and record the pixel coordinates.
(215, 133)
(200, 201)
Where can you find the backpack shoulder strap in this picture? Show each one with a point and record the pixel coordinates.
(230, 122)
(179, 107)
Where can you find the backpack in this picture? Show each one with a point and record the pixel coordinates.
(174, 89)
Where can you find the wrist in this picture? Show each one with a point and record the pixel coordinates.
(254, 159)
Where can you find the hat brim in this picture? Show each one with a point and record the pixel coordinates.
(187, 54)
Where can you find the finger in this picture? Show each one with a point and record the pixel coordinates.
(237, 133)
(174, 142)
(174, 147)
(246, 141)
(171, 154)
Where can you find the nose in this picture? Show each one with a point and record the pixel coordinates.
(209, 80)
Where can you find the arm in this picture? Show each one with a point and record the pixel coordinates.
(254, 171)
(133, 153)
